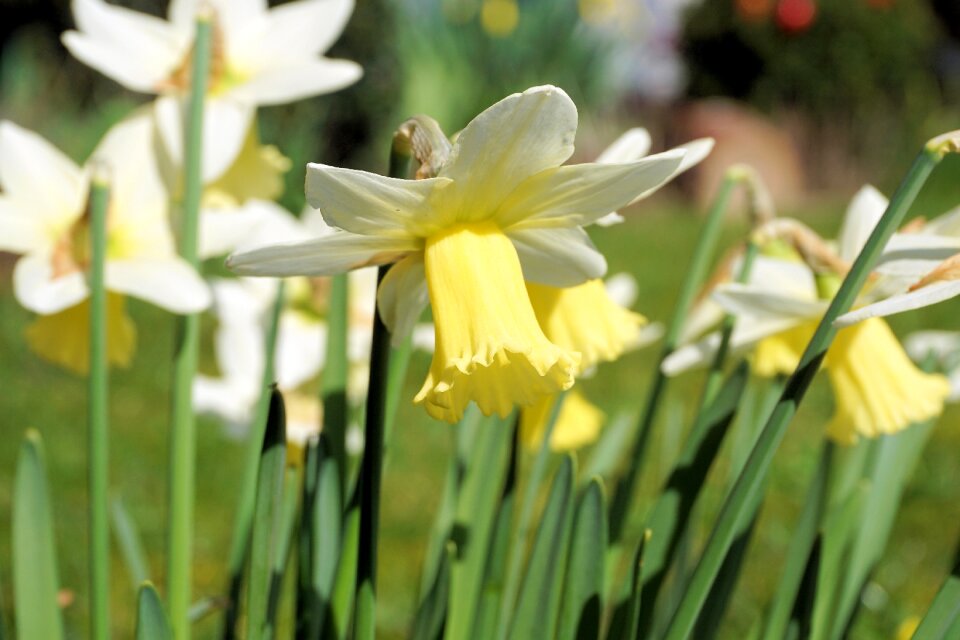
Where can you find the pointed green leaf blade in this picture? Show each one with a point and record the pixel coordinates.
(582, 603)
(128, 538)
(152, 621)
(539, 602)
(35, 575)
(942, 621)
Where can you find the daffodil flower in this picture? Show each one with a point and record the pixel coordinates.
(501, 210)
(259, 56)
(944, 348)
(42, 217)
(919, 267)
(578, 424)
(877, 389)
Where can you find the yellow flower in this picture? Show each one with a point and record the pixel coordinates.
(501, 210)
(499, 18)
(63, 338)
(256, 173)
(585, 319)
(578, 424)
(779, 354)
(877, 388)
(496, 355)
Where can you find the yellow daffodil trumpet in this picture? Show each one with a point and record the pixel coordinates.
(578, 424)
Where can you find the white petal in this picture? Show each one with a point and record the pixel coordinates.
(136, 49)
(514, 139)
(295, 30)
(947, 224)
(922, 297)
(37, 289)
(257, 223)
(170, 283)
(905, 250)
(747, 332)
(609, 220)
(863, 214)
(129, 150)
(330, 255)
(240, 355)
(789, 277)
(222, 398)
(34, 171)
(581, 193)
(425, 337)
(301, 348)
(632, 145)
(914, 269)
(184, 12)
(622, 289)
(943, 345)
(740, 299)
(225, 125)
(403, 296)
(560, 257)
(19, 231)
(296, 81)
(371, 204)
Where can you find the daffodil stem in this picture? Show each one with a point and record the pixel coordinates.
(700, 262)
(511, 581)
(751, 479)
(715, 375)
(371, 466)
(183, 432)
(333, 390)
(98, 454)
(243, 519)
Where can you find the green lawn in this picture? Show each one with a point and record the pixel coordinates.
(654, 246)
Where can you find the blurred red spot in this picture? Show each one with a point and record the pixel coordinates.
(795, 16)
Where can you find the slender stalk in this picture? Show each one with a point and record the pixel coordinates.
(700, 261)
(715, 375)
(370, 475)
(744, 493)
(333, 389)
(243, 518)
(183, 434)
(98, 425)
(371, 466)
(511, 581)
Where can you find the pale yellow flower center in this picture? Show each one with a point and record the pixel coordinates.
(64, 337)
(586, 320)
(221, 78)
(489, 347)
(257, 173)
(779, 354)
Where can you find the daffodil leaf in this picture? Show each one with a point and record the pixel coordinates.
(152, 621)
(428, 624)
(611, 448)
(35, 574)
(626, 620)
(337, 624)
(669, 515)
(942, 620)
(540, 593)
(131, 546)
(582, 604)
(267, 520)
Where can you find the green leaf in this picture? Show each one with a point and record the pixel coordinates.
(267, 520)
(428, 624)
(542, 588)
(942, 621)
(474, 523)
(131, 547)
(152, 621)
(582, 603)
(35, 581)
(337, 624)
(670, 514)
(321, 539)
(626, 620)
(611, 448)
(799, 551)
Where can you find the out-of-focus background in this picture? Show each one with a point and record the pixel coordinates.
(819, 95)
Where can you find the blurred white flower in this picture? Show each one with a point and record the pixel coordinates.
(260, 56)
(42, 217)
(944, 348)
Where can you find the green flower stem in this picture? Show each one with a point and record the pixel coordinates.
(511, 581)
(700, 262)
(243, 519)
(333, 389)
(744, 493)
(371, 466)
(183, 434)
(98, 462)
(715, 375)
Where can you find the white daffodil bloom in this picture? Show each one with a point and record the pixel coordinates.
(635, 144)
(877, 388)
(259, 56)
(501, 210)
(42, 217)
(920, 267)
